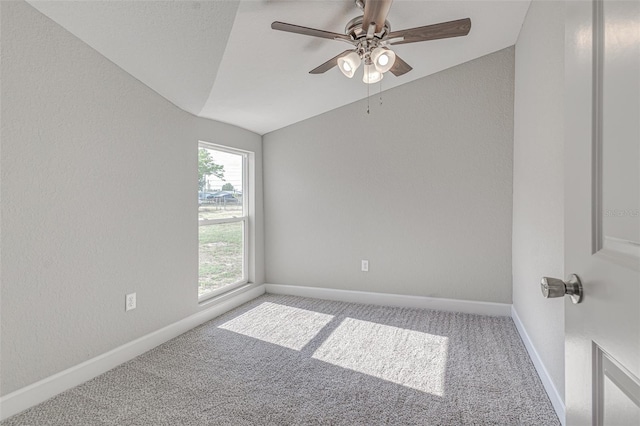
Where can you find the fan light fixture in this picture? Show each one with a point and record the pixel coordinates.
(371, 74)
(377, 61)
(348, 64)
(383, 58)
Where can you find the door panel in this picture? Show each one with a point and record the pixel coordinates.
(616, 392)
(602, 210)
(617, 115)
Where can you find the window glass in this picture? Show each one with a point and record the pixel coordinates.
(222, 219)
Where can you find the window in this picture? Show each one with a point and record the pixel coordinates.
(223, 194)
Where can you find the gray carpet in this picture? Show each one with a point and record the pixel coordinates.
(282, 360)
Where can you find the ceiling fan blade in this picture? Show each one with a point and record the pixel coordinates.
(449, 29)
(400, 67)
(329, 64)
(291, 28)
(375, 11)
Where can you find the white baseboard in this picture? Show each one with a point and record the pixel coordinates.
(385, 299)
(42, 390)
(556, 400)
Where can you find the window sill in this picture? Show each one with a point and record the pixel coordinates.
(221, 297)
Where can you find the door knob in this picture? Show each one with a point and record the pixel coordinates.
(553, 287)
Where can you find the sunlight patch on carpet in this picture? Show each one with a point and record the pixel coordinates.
(281, 325)
(409, 358)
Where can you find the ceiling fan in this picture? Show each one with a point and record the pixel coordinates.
(371, 36)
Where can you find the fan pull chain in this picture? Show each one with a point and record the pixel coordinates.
(368, 95)
(380, 92)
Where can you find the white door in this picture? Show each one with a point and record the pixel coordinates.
(602, 211)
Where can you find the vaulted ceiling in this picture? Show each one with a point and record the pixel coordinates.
(221, 60)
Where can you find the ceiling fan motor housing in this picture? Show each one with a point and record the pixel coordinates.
(354, 29)
(364, 44)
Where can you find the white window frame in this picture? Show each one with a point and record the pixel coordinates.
(244, 219)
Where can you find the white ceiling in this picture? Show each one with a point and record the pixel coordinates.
(221, 59)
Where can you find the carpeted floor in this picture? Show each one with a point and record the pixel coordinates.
(283, 360)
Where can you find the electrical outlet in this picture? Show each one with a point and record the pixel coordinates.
(130, 302)
(365, 266)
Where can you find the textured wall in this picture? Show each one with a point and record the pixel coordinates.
(421, 187)
(98, 183)
(538, 180)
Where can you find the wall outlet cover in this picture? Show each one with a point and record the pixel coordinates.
(130, 302)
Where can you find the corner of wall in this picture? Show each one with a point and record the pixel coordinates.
(538, 234)
(557, 400)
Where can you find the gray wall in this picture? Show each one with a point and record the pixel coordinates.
(98, 184)
(421, 187)
(538, 180)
